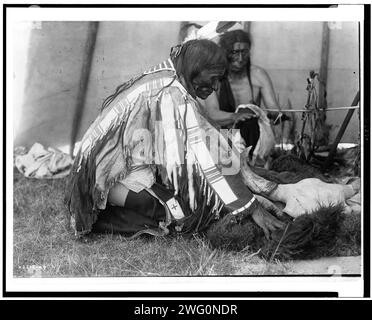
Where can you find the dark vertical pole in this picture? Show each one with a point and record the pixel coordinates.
(323, 72)
(340, 133)
(83, 82)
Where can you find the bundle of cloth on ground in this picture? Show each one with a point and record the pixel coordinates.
(179, 172)
(41, 163)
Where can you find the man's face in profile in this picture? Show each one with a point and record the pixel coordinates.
(206, 82)
(239, 56)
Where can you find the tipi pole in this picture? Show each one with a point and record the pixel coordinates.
(83, 82)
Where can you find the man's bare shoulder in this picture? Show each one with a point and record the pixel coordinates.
(259, 75)
(258, 72)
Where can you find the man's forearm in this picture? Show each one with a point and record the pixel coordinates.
(223, 118)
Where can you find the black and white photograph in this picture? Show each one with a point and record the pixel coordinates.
(185, 149)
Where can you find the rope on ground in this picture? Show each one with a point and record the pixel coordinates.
(312, 110)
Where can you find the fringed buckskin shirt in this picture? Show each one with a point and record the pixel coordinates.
(154, 126)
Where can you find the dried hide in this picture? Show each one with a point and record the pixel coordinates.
(302, 197)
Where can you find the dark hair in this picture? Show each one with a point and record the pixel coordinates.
(228, 39)
(196, 56)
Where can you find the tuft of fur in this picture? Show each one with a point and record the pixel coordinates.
(349, 159)
(292, 163)
(325, 232)
(309, 236)
(287, 176)
(348, 242)
(230, 234)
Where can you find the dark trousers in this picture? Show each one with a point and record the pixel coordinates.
(141, 211)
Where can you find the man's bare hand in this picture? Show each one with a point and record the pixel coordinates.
(238, 117)
(266, 221)
(269, 206)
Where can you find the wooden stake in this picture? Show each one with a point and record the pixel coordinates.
(346, 121)
(323, 71)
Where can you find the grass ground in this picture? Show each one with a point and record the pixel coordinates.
(45, 246)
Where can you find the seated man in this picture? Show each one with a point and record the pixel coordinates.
(144, 164)
(244, 84)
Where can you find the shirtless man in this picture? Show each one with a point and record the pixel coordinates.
(244, 84)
